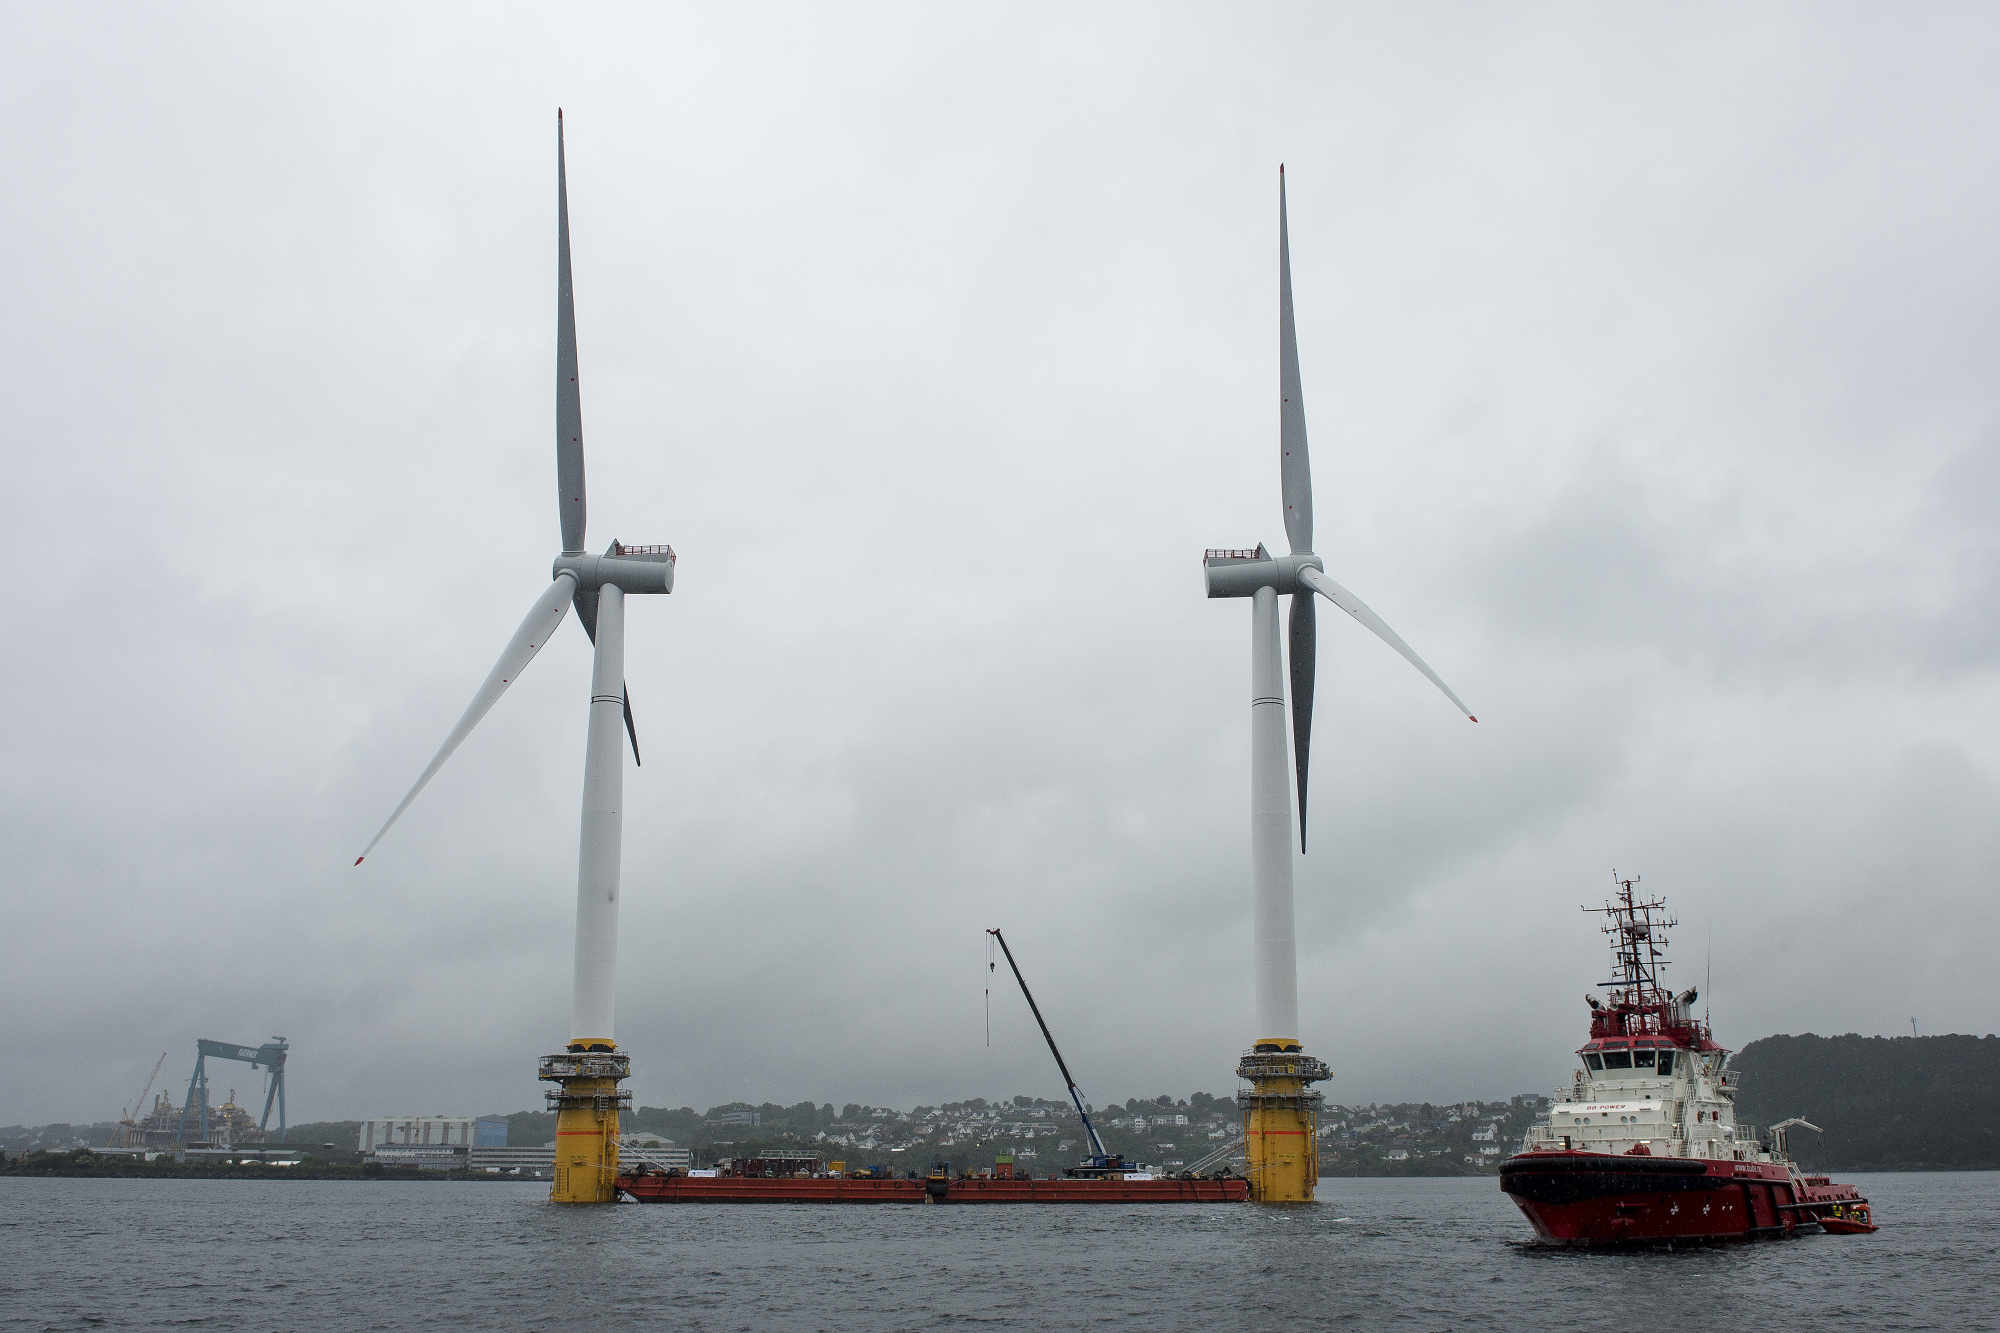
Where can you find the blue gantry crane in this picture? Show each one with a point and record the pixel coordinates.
(269, 1057)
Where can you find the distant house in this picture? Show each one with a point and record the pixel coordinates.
(1487, 1135)
(1399, 1154)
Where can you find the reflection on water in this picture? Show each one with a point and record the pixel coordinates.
(1401, 1254)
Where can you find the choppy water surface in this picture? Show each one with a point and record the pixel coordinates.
(1392, 1254)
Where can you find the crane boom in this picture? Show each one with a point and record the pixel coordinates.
(125, 1126)
(1098, 1154)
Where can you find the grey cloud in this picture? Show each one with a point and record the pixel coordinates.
(1646, 365)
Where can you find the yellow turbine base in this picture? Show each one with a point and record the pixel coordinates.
(586, 1165)
(1281, 1126)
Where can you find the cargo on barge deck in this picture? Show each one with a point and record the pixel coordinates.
(1017, 1189)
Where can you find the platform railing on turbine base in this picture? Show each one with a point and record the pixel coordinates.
(586, 1104)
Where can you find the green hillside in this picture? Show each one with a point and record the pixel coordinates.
(1886, 1103)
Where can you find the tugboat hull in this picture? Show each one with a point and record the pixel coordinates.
(1597, 1199)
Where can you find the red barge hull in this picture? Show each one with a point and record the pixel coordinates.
(1596, 1199)
(816, 1189)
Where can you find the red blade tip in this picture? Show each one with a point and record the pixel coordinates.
(1468, 715)
(359, 859)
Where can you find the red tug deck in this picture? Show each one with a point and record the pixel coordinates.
(1643, 1148)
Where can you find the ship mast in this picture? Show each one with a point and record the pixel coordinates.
(1638, 1002)
(1638, 943)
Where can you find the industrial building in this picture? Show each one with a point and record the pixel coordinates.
(423, 1156)
(539, 1163)
(460, 1143)
(418, 1131)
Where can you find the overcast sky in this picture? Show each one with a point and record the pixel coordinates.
(1649, 359)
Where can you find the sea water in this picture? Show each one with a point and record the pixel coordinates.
(1372, 1254)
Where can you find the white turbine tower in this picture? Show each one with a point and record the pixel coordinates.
(589, 1071)
(1281, 1111)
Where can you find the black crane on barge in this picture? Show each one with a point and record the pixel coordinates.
(1101, 1163)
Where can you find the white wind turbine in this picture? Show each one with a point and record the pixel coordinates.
(1258, 575)
(597, 585)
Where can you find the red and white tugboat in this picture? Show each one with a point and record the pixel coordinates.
(1643, 1147)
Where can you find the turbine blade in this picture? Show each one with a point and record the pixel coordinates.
(1354, 606)
(631, 730)
(1305, 646)
(1295, 463)
(546, 614)
(569, 401)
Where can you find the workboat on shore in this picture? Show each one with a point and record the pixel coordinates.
(1643, 1147)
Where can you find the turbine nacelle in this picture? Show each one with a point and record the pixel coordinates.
(1240, 573)
(632, 569)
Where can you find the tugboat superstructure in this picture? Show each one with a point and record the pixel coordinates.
(1643, 1146)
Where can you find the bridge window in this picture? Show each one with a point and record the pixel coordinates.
(1594, 1061)
(1642, 1059)
(1666, 1063)
(1617, 1060)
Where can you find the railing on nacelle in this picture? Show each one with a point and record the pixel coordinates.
(621, 550)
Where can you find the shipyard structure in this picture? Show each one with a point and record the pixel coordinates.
(198, 1128)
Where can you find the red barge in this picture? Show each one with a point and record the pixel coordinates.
(1643, 1148)
(821, 1187)
(1104, 1177)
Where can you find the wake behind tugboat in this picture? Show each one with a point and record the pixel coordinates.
(1643, 1148)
